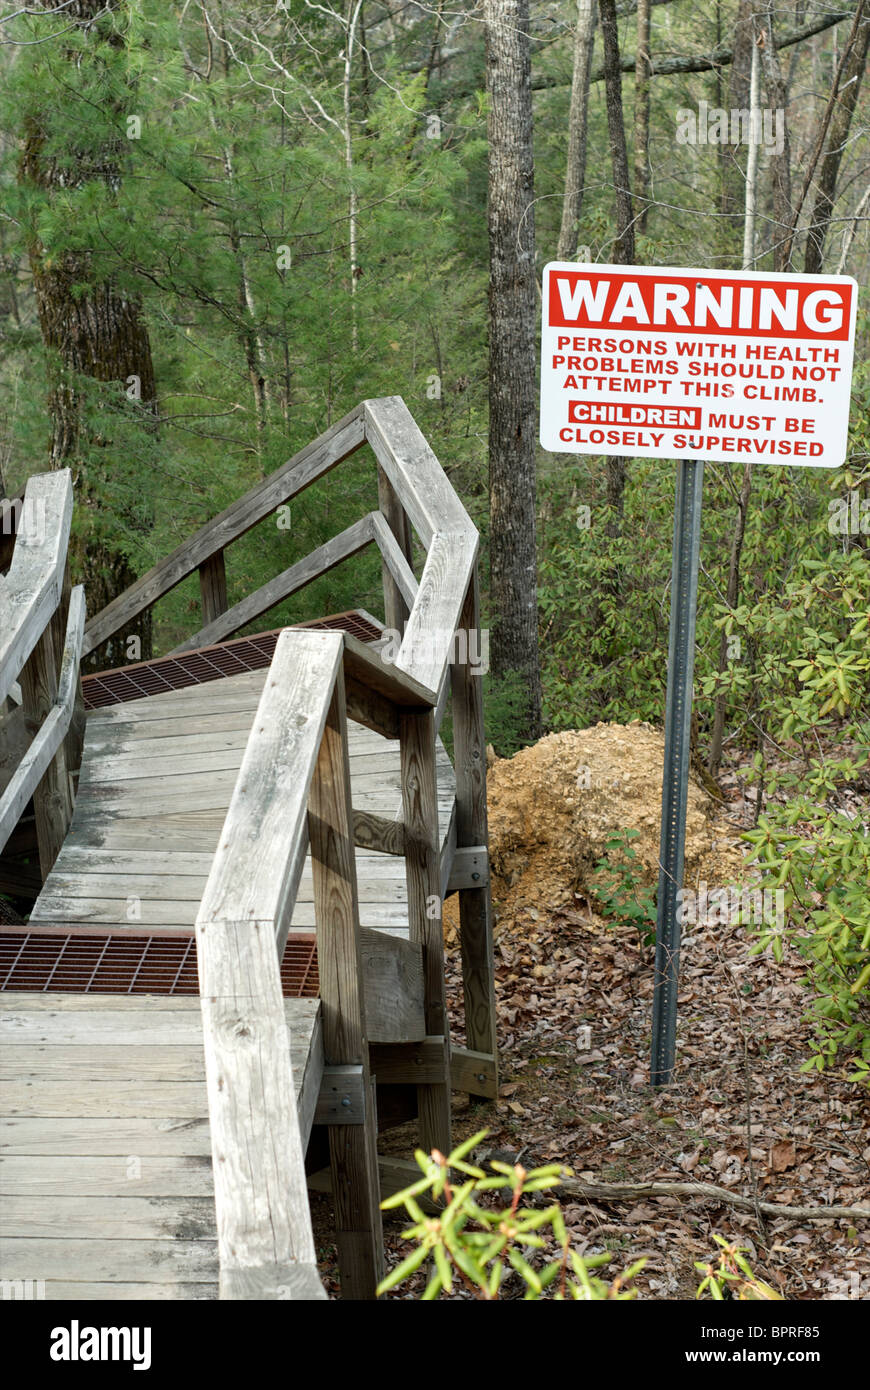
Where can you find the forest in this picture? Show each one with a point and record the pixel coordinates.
(224, 224)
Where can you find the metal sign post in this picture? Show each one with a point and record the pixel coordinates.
(675, 782)
(671, 362)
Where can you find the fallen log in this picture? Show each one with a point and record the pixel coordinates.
(708, 1191)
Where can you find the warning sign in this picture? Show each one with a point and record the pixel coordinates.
(673, 363)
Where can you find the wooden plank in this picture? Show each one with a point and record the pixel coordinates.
(126, 1019)
(392, 974)
(474, 1072)
(32, 589)
(413, 469)
(353, 1149)
(428, 646)
(131, 916)
(42, 772)
(77, 1175)
(376, 832)
(144, 1261)
(420, 814)
(317, 458)
(260, 1200)
(325, 558)
(393, 535)
(77, 1136)
(298, 1281)
(213, 587)
(421, 1063)
(382, 677)
(470, 868)
(267, 814)
(475, 905)
(120, 1219)
(82, 1291)
(52, 796)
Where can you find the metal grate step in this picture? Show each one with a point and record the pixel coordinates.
(94, 962)
(207, 663)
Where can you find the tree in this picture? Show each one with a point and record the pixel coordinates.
(575, 163)
(512, 353)
(91, 327)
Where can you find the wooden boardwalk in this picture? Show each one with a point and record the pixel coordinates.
(106, 1187)
(154, 1145)
(155, 785)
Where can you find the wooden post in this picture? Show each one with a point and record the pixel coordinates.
(52, 800)
(75, 738)
(395, 608)
(475, 904)
(213, 587)
(422, 865)
(352, 1148)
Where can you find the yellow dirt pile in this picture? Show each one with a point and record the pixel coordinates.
(553, 806)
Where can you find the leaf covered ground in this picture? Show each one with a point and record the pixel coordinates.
(740, 1114)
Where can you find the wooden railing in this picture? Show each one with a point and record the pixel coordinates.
(41, 635)
(292, 793)
(413, 491)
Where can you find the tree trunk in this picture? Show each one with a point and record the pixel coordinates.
(838, 134)
(623, 247)
(575, 168)
(751, 192)
(95, 332)
(512, 352)
(641, 111)
(780, 162)
(715, 755)
(731, 197)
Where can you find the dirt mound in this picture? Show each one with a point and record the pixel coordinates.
(552, 808)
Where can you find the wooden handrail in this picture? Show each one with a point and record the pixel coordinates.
(412, 487)
(350, 542)
(31, 591)
(264, 1230)
(317, 458)
(51, 735)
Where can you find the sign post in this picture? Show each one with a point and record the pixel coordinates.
(665, 362)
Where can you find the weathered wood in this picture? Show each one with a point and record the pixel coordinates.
(124, 1217)
(474, 1072)
(342, 1099)
(310, 463)
(412, 468)
(31, 591)
(384, 678)
(376, 832)
(255, 872)
(353, 1150)
(470, 868)
(475, 904)
(247, 610)
(420, 815)
(299, 1282)
(161, 1261)
(213, 587)
(393, 534)
(428, 647)
(42, 772)
(421, 1063)
(260, 1199)
(392, 974)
